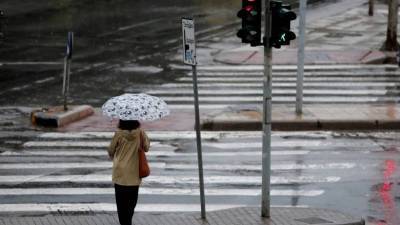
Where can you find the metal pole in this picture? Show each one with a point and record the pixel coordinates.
(300, 58)
(198, 139)
(391, 34)
(67, 69)
(267, 104)
(371, 7)
(65, 82)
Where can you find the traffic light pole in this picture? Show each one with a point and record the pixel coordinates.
(300, 57)
(276, 33)
(267, 106)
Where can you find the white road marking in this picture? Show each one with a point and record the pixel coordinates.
(153, 135)
(291, 79)
(259, 92)
(220, 145)
(343, 74)
(160, 165)
(182, 102)
(258, 99)
(283, 84)
(44, 80)
(157, 191)
(31, 63)
(111, 207)
(83, 144)
(290, 144)
(150, 153)
(231, 180)
(294, 67)
(92, 144)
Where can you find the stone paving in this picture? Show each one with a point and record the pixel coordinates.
(236, 216)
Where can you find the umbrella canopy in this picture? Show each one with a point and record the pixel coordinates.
(135, 107)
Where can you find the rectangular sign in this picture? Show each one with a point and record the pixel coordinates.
(189, 44)
(70, 41)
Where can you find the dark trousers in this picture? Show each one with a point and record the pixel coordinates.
(126, 198)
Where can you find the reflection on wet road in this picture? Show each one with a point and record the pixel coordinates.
(357, 173)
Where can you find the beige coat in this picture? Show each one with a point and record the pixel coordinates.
(123, 151)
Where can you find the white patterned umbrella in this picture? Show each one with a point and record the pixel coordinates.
(135, 107)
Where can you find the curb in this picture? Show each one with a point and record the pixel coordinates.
(305, 125)
(250, 119)
(336, 125)
(377, 57)
(57, 117)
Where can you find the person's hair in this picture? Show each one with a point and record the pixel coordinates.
(128, 124)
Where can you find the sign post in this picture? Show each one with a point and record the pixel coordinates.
(67, 69)
(189, 57)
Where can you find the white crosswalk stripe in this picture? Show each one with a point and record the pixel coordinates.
(155, 191)
(219, 167)
(156, 153)
(80, 178)
(111, 207)
(166, 180)
(223, 86)
(294, 67)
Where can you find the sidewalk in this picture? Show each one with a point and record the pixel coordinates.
(315, 117)
(236, 216)
(346, 37)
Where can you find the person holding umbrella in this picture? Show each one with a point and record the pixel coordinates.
(124, 147)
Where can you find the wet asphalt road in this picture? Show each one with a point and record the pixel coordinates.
(108, 35)
(119, 45)
(353, 172)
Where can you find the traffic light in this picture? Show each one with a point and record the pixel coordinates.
(251, 22)
(280, 31)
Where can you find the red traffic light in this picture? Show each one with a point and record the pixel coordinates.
(249, 8)
(250, 13)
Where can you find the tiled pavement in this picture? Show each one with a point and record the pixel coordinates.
(237, 216)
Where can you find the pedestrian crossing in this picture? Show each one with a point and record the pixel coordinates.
(223, 86)
(71, 172)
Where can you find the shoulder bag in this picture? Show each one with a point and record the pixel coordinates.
(144, 169)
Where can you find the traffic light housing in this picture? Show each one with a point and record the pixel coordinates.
(280, 31)
(251, 22)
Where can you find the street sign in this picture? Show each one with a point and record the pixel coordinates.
(70, 41)
(189, 57)
(189, 47)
